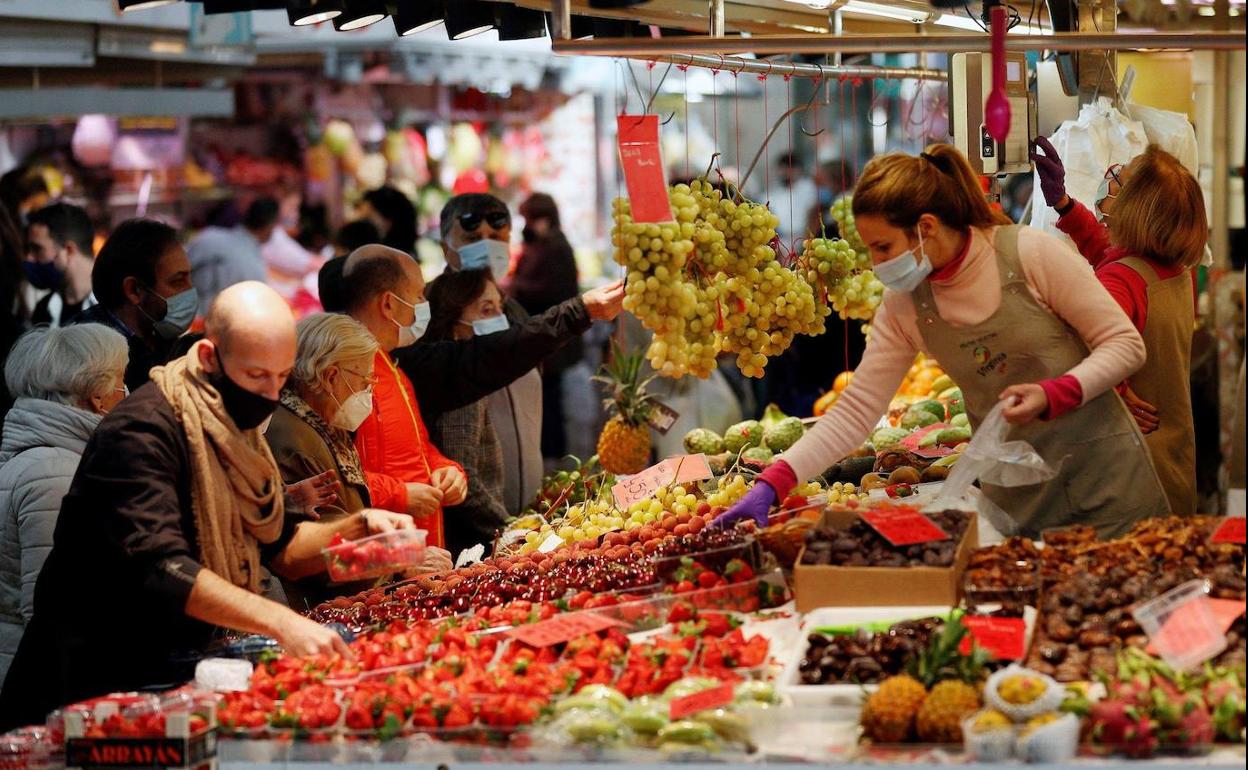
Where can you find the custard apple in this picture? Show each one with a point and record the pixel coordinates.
(744, 434)
(783, 434)
(758, 454)
(701, 440)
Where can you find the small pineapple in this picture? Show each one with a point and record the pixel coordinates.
(888, 716)
(624, 444)
(956, 681)
(940, 718)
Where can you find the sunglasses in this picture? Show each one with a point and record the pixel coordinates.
(470, 221)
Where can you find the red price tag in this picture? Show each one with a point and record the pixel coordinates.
(904, 526)
(561, 628)
(701, 701)
(1003, 638)
(644, 174)
(1231, 530)
(1224, 611)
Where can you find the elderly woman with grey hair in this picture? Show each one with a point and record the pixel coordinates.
(328, 395)
(64, 381)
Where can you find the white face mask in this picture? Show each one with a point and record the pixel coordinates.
(903, 272)
(486, 253)
(492, 325)
(354, 411)
(409, 334)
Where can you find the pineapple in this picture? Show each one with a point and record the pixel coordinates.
(624, 444)
(956, 681)
(888, 716)
(940, 718)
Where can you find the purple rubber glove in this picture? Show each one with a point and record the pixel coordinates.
(754, 506)
(1052, 172)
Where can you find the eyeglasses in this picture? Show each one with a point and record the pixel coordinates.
(370, 379)
(1112, 173)
(471, 220)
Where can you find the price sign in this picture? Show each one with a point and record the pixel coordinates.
(680, 469)
(551, 543)
(1182, 625)
(1003, 638)
(1231, 530)
(701, 701)
(662, 417)
(1225, 612)
(903, 526)
(561, 628)
(644, 174)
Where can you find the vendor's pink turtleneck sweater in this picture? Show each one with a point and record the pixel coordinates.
(967, 292)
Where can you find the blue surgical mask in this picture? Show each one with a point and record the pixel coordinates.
(903, 272)
(181, 309)
(484, 254)
(492, 325)
(409, 334)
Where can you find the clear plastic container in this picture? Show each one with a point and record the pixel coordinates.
(715, 560)
(376, 555)
(1182, 626)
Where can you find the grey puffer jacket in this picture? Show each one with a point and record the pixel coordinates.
(43, 442)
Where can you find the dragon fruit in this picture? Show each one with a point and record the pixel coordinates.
(1183, 723)
(1122, 727)
(1224, 693)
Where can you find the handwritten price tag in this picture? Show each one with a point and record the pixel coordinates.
(701, 701)
(680, 469)
(1182, 625)
(1231, 530)
(561, 628)
(903, 526)
(644, 173)
(1003, 638)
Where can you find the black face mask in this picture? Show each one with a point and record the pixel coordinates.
(247, 409)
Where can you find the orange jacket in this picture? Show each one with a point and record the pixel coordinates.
(394, 446)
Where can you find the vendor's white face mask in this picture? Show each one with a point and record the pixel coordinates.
(904, 272)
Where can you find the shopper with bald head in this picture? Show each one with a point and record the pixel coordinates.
(175, 510)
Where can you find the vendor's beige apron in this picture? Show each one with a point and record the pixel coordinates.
(1105, 477)
(1166, 382)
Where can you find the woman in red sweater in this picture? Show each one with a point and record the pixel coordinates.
(1148, 232)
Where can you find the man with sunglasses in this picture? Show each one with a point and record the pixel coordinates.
(476, 235)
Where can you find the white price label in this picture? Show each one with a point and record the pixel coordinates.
(550, 543)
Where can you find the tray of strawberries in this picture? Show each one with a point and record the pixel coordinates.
(374, 556)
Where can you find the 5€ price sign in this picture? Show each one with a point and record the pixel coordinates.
(903, 526)
(680, 469)
(642, 162)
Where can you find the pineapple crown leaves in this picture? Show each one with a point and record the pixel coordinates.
(627, 397)
(942, 659)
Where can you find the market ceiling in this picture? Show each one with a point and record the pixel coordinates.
(531, 19)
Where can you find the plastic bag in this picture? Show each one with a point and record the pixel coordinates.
(1098, 138)
(992, 460)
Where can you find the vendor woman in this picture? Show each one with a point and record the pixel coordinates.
(1012, 315)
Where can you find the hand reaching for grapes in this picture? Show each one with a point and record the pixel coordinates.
(605, 302)
(755, 506)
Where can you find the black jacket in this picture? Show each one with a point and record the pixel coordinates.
(143, 358)
(110, 601)
(448, 375)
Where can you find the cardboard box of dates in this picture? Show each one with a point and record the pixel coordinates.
(846, 563)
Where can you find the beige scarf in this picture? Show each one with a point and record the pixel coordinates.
(236, 490)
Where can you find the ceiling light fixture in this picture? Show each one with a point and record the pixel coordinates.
(358, 14)
(465, 18)
(138, 5)
(304, 12)
(515, 23)
(414, 16)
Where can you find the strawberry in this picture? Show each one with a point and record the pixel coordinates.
(680, 612)
(737, 571)
(708, 579)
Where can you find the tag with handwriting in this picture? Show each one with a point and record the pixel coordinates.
(662, 417)
(1231, 530)
(644, 173)
(561, 628)
(680, 469)
(903, 526)
(1003, 638)
(701, 701)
